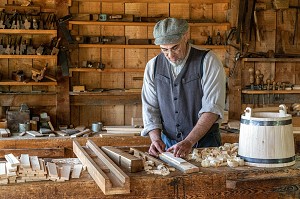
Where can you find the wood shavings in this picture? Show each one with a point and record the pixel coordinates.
(225, 155)
(160, 169)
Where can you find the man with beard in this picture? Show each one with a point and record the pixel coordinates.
(183, 94)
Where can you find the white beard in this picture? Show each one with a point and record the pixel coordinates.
(177, 63)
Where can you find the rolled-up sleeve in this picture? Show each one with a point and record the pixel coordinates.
(213, 85)
(150, 107)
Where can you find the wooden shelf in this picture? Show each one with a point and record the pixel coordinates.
(129, 23)
(141, 46)
(105, 98)
(31, 32)
(262, 92)
(28, 93)
(157, 1)
(31, 83)
(28, 56)
(109, 70)
(271, 59)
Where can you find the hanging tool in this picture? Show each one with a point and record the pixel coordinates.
(257, 82)
(2, 15)
(261, 77)
(251, 76)
(241, 18)
(2, 49)
(256, 26)
(62, 26)
(273, 88)
(55, 49)
(268, 89)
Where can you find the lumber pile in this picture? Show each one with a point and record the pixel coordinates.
(31, 168)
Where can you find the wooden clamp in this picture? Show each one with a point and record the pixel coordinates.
(129, 162)
(112, 180)
(178, 163)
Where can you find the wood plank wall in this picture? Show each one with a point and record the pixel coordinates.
(277, 29)
(120, 112)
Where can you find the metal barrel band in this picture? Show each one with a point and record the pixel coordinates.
(269, 161)
(266, 123)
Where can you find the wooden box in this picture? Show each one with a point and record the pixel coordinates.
(16, 117)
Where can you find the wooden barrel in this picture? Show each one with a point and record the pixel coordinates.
(266, 138)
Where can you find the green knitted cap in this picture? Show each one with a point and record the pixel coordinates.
(169, 31)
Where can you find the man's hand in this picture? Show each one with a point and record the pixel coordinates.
(157, 147)
(181, 149)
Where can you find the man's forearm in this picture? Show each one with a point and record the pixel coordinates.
(155, 134)
(204, 123)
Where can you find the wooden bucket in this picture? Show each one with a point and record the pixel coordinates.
(266, 138)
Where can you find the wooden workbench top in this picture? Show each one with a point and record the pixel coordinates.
(222, 182)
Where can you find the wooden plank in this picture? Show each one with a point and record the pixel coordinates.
(109, 163)
(2, 169)
(52, 170)
(124, 159)
(117, 134)
(122, 128)
(159, 1)
(178, 163)
(24, 160)
(35, 164)
(76, 171)
(85, 100)
(31, 99)
(97, 174)
(65, 172)
(40, 152)
(12, 159)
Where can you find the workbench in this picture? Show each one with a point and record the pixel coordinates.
(221, 182)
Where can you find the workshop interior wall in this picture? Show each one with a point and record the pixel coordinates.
(116, 113)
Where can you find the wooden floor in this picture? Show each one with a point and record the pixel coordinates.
(220, 183)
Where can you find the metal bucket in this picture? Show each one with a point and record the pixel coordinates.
(266, 138)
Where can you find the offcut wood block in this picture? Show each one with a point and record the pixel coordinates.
(3, 123)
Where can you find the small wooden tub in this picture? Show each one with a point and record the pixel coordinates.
(266, 138)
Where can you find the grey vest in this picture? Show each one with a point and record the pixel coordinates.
(179, 99)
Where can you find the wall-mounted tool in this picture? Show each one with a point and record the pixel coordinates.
(18, 76)
(2, 15)
(62, 26)
(38, 75)
(55, 49)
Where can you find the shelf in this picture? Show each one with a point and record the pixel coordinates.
(45, 99)
(28, 56)
(31, 32)
(141, 46)
(262, 92)
(105, 98)
(109, 70)
(157, 1)
(129, 23)
(31, 83)
(29, 93)
(271, 59)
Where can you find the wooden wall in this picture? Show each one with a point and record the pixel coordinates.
(116, 107)
(277, 33)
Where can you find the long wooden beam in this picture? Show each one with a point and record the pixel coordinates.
(105, 183)
(124, 159)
